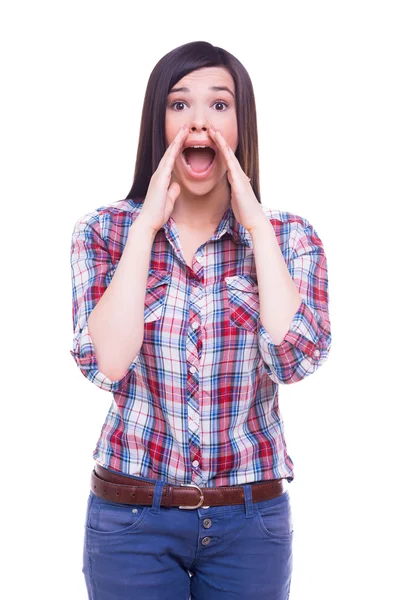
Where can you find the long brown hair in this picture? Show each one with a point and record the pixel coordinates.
(167, 72)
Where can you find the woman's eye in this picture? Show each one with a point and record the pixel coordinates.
(177, 102)
(216, 102)
(221, 102)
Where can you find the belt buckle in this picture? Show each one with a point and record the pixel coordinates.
(201, 496)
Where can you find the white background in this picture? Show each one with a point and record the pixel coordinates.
(326, 80)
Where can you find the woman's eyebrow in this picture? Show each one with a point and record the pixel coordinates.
(214, 88)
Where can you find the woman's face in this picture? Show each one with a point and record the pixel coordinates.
(199, 106)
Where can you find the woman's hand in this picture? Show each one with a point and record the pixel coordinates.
(160, 198)
(246, 208)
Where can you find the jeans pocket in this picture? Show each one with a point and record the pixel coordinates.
(243, 302)
(105, 517)
(275, 517)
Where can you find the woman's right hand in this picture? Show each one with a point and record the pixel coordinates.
(160, 198)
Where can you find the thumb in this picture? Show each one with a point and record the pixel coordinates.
(174, 190)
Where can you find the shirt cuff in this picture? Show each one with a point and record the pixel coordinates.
(303, 349)
(84, 355)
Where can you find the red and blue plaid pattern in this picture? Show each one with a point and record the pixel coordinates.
(199, 402)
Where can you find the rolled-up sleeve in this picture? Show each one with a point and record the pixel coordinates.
(307, 343)
(92, 270)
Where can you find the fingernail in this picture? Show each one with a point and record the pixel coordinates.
(185, 126)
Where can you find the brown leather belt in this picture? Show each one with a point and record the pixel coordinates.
(118, 488)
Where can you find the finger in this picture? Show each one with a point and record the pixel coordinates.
(231, 159)
(224, 147)
(166, 164)
(176, 149)
(174, 191)
(169, 157)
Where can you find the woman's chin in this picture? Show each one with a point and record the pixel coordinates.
(203, 186)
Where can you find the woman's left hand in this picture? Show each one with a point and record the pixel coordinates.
(246, 208)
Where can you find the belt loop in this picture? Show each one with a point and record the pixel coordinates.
(158, 489)
(248, 500)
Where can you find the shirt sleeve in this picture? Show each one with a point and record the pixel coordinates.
(307, 343)
(91, 270)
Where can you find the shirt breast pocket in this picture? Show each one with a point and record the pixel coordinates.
(243, 302)
(156, 294)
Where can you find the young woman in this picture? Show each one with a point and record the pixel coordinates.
(192, 302)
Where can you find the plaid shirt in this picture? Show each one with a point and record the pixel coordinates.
(199, 402)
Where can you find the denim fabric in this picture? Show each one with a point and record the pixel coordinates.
(157, 553)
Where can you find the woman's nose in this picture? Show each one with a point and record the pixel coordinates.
(199, 125)
(195, 128)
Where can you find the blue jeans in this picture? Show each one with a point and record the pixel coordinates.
(241, 551)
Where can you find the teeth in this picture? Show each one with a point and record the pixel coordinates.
(198, 147)
(187, 147)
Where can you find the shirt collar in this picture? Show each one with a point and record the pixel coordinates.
(230, 224)
(227, 224)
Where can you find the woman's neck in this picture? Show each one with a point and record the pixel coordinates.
(197, 211)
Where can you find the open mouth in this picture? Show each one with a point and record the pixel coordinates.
(199, 161)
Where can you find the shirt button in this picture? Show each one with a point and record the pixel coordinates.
(195, 463)
(317, 353)
(192, 369)
(200, 259)
(195, 325)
